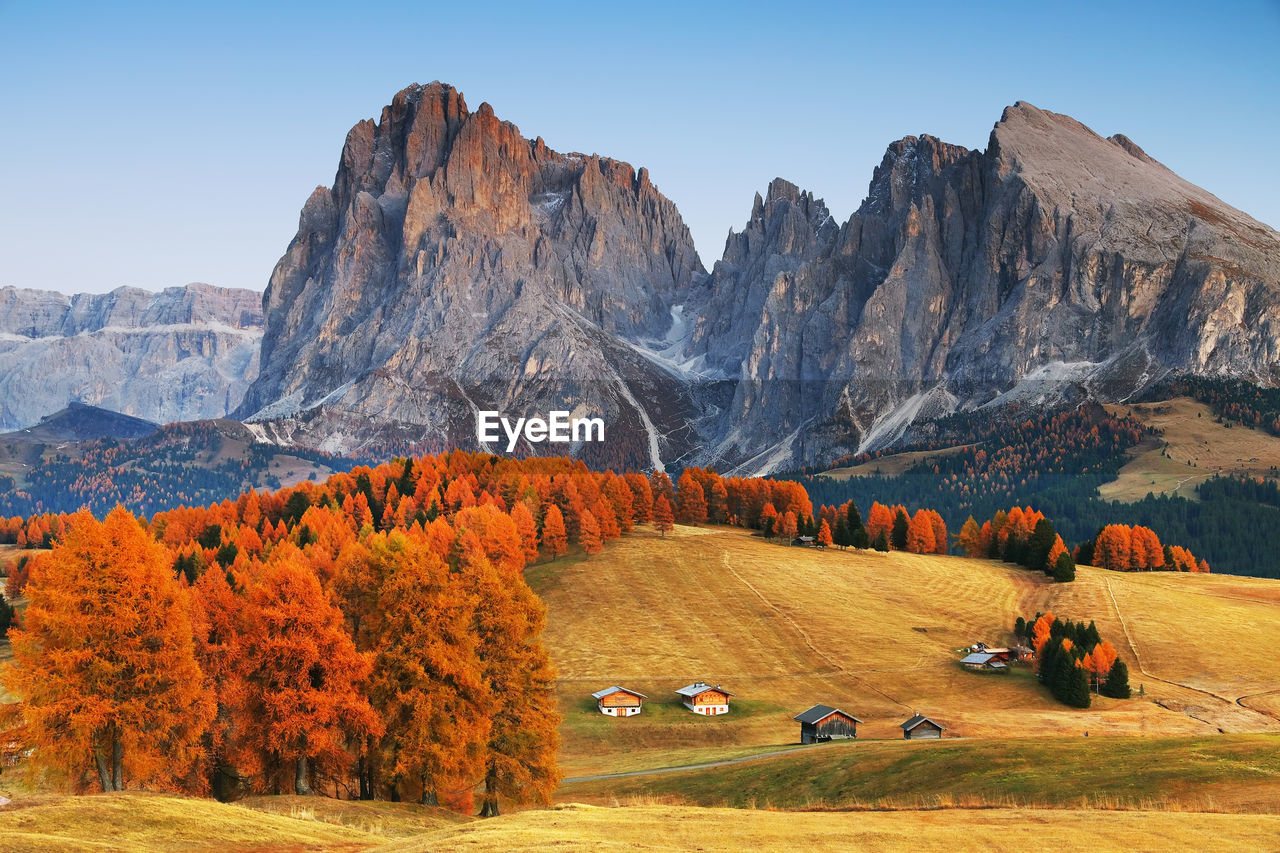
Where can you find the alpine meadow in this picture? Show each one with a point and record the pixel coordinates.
(937, 513)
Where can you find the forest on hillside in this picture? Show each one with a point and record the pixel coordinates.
(1056, 462)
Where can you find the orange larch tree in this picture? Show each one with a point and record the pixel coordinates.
(554, 537)
(520, 758)
(105, 664)
(527, 528)
(589, 533)
(920, 534)
(427, 684)
(662, 516)
(824, 535)
(692, 500)
(303, 702)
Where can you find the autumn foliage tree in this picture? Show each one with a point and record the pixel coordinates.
(520, 761)
(663, 519)
(692, 500)
(303, 702)
(920, 537)
(426, 685)
(105, 663)
(554, 538)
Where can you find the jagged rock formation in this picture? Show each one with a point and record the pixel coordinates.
(181, 354)
(1055, 263)
(456, 266)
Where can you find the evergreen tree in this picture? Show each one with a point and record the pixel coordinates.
(857, 531)
(843, 538)
(1064, 571)
(900, 526)
(1041, 542)
(1075, 687)
(1091, 636)
(1117, 684)
(882, 542)
(1020, 628)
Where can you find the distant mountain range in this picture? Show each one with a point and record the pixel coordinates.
(456, 266)
(182, 354)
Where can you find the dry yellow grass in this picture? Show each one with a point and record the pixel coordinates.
(657, 827)
(158, 822)
(1188, 428)
(877, 634)
(893, 464)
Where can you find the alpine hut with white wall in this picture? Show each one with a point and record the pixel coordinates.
(618, 701)
(702, 698)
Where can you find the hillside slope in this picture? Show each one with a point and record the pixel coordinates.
(876, 635)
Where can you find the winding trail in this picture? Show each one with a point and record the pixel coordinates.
(1143, 669)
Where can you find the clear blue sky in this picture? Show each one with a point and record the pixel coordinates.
(155, 144)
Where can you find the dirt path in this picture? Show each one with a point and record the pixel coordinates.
(1143, 669)
(755, 756)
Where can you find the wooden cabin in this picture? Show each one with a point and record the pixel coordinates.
(618, 701)
(822, 723)
(702, 698)
(984, 662)
(920, 727)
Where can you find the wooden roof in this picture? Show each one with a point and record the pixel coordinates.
(700, 687)
(916, 720)
(818, 713)
(608, 691)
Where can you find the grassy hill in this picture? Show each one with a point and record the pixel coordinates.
(1234, 773)
(1189, 432)
(138, 821)
(877, 635)
(162, 823)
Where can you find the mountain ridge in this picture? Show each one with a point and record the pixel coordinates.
(456, 266)
(182, 353)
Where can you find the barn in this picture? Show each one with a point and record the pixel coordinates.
(702, 698)
(823, 723)
(920, 727)
(618, 701)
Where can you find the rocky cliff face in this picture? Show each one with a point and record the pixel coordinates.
(457, 266)
(182, 354)
(1055, 263)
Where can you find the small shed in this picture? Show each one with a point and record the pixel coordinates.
(702, 698)
(618, 701)
(1021, 652)
(920, 727)
(804, 542)
(823, 723)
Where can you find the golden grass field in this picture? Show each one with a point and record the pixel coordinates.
(875, 634)
(163, 824)
(1187, 428)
